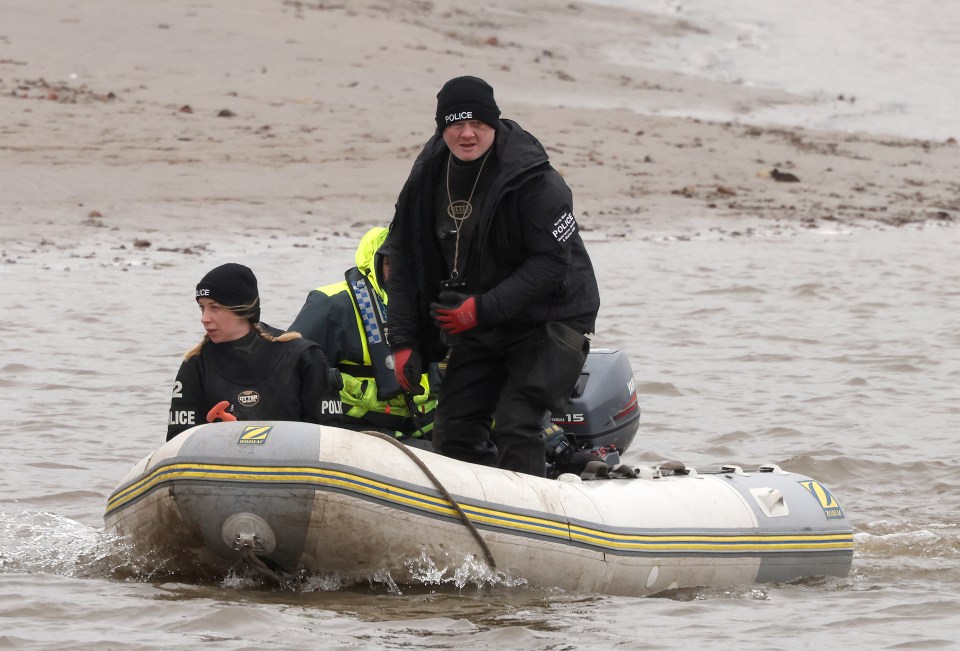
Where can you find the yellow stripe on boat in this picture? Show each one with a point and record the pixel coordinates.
(514, 522)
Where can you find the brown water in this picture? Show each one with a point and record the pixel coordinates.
(834, 354)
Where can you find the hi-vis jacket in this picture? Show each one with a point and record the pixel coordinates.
(347, 319)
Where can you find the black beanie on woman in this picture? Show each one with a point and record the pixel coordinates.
(233, 286)
(466, 98)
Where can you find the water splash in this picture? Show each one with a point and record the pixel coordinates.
(34, 542)
(471, 570)
(420, 571)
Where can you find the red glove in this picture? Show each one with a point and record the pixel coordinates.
(455, 313)
(407, 368)
(220, 411)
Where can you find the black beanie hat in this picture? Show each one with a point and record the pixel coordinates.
(233, 286)
(466, 98)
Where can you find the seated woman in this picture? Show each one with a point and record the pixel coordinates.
(244, 369)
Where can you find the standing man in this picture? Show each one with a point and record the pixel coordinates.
(486, 259)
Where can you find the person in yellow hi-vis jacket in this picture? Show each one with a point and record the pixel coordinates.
(348, 320)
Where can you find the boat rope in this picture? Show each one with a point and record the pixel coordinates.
(257, 564)
(443, 490)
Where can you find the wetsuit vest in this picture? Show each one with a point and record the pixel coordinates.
(261, 380)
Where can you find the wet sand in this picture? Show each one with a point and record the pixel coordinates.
(176, 125)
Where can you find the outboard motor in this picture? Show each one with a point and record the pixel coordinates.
(603, 415)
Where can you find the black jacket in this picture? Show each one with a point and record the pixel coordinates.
(262, 380)
(526, 263)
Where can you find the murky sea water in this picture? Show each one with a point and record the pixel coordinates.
(835, 354)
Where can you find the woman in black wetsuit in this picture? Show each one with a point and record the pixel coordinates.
(259, 372)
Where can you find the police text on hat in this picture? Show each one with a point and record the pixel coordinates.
(466, 98)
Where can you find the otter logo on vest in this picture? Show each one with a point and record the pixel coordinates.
(248, 398)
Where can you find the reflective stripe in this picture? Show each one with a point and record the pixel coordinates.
(373, 314)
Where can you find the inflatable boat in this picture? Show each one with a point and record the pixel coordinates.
(295, 498)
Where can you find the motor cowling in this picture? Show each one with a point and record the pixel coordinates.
(603, 412)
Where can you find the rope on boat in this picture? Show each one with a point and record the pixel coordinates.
(257, 564)
(440, 487)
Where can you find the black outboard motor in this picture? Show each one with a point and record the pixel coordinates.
(603, 416)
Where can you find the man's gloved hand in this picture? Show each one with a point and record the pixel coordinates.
(455, 313)
(408, 368)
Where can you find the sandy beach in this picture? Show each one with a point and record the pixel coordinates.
(173, 124)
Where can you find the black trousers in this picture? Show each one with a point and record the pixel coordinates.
(497, 389)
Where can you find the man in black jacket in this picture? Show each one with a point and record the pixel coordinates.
(487, 260)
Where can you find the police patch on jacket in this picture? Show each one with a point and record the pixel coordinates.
(564, 227)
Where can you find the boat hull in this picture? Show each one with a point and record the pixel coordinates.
(312, 498)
